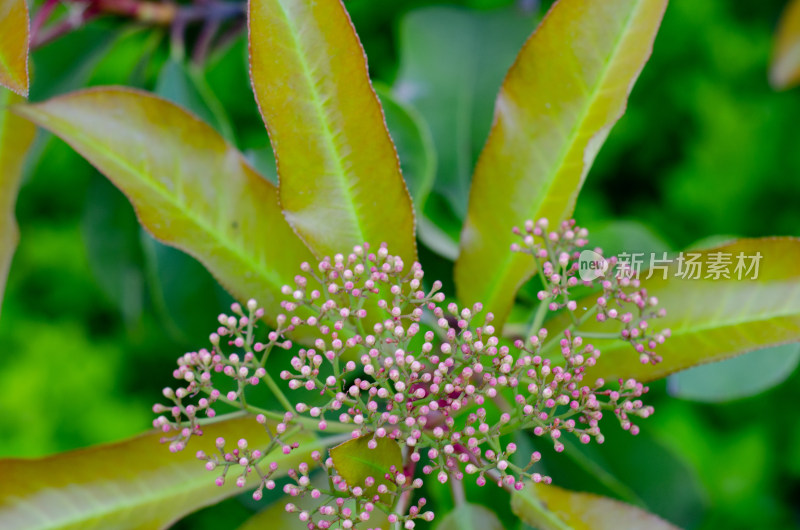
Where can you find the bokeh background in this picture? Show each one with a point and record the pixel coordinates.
(96, 311)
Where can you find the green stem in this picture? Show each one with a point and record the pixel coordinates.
(276, 390)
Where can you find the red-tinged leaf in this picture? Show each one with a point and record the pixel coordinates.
(710, 319)
(784, 70)
(553, 508)
(340, 180)
(14, 36)
(190, 189)
(135, 483)
(16, 136)
(567, 88)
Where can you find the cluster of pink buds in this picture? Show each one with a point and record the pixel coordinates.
(390, 361)
(343, 505)
(557, 254)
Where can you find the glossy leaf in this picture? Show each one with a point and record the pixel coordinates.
(340, 180)
(555, 109)
(553, 508)
(136, 483)
(16, 136)
(784, 70)
(355, 461)
(470, 517)
(14, 36)
(190, 189)
(736, 378)
(710, 319)
(452, 62)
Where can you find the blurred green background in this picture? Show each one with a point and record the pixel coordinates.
(96, 311)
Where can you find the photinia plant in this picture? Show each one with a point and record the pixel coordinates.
(390, 385)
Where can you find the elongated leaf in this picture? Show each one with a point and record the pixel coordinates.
(135, 483)
(470, 517)
(14, 35)
(452, 62)
(190, 189)
(567, 88)
(16, 136)
(553, 508)
(712, 319)
(340, 180)
(736, 378)
(784, 70)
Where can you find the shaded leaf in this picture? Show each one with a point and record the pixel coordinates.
(555, 109)
(14, 37)
(16, 136)
(188, 88)
(175, 84)
(710, 319)
(470, 516)
(677, 495)
(452, 63)
(111, 233)
(553, 508)
(618, 236)
(136, 483)
(414, 144)
(739, 377)
(355, 461)
(190, 189)
(340, 180)
(784, 69)
(186, 297)
(436, 239)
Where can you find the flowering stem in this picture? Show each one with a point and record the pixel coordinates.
(538, 319)
(404, 499)
(591, 335)
(273, 386)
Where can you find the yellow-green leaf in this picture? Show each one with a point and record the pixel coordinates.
(711, 319)
(567, 88)
(190, 188)
(784, 70)
(136, 483)
(340, 180)
(355, 461)
(16, 136)
(14, 35)
(553, 508)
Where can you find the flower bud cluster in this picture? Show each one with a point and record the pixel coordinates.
(622, 300)
(180, 420)
(390, 359)
(336, 504)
